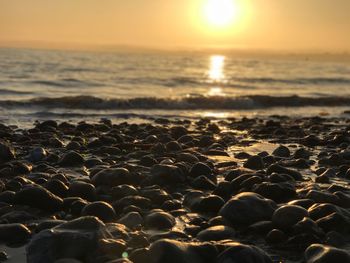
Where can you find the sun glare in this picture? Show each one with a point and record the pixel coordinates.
(221, 13)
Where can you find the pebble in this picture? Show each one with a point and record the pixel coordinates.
(248, 208)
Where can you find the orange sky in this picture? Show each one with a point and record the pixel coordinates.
(320, 25)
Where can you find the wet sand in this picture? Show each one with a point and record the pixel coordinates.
(272, 189)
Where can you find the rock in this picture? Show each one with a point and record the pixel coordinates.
(281, 151)
(335, 222)
(276, 236)
(210, 205)
(318, 253)
(255, 163)
(77, 239)
(216, 233)
(111, 177)
(57, 187)
(322, 197)
(39, 197)
(164, 174)
(160, 221)
(172, 251)
(38, 154)
(123, 190)
(288, 215)
(14, 233)
(131, 220)
(7, 153)
(239, 253)
(247, 208)
(281, 192)
(203, 183)
(276, 168)
(82, 189)
(71, 159)
(200, 169)
(102, 210)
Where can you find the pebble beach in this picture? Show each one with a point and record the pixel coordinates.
(243, 190)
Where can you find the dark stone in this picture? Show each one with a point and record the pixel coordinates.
(82, 189)
(77, 239)
(102, 210)
(111, 177)
(276, 168)
(159, 220)
(288, 215)
(71, 159)
(39, 197)
(14, 233)
(216, 233)
(163, 174)
(171, 251)
(240, 253)
(279, 193)
(255, 163)
(318, 253)
(281, 151)
(200, 169)
(247, 208)
(7, 153)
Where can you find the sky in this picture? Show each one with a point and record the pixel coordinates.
(313, 25)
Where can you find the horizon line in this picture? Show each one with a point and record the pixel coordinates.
(74, 46)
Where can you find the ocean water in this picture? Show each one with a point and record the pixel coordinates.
(41, 84)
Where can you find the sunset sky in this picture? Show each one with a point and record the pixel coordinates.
(249, 24)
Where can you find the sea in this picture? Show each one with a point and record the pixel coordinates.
(141, 85)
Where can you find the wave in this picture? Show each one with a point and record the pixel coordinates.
(185, 103)
(66, 83)
(298, 81)
(14, 92)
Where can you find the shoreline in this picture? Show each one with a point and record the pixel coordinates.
(181, 189)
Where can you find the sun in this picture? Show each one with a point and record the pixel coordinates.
(220, 13)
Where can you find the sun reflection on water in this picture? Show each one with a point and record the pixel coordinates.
(216, 71)
(216, 75)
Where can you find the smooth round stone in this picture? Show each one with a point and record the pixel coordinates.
(111, 177)
(71, 159)
(276, 168)
(281, 151)
(200, 169)
(210, 204)
(82, 189)
(57, 187)
(322, 197)
(131, 220)
(14, 233)
(306, 203)
(102, 210)
(167, 174)
(279, 193)
(240, 253)
(123, 190)
(173, 146)
(37, 154)
(203, 183)
(7, 153)
(216, 233)
(247, 208)
(160, 221)
(254, 162)
(172, 251)
(288, 215)
(318, 253)
(39, 197)
(276, 236)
